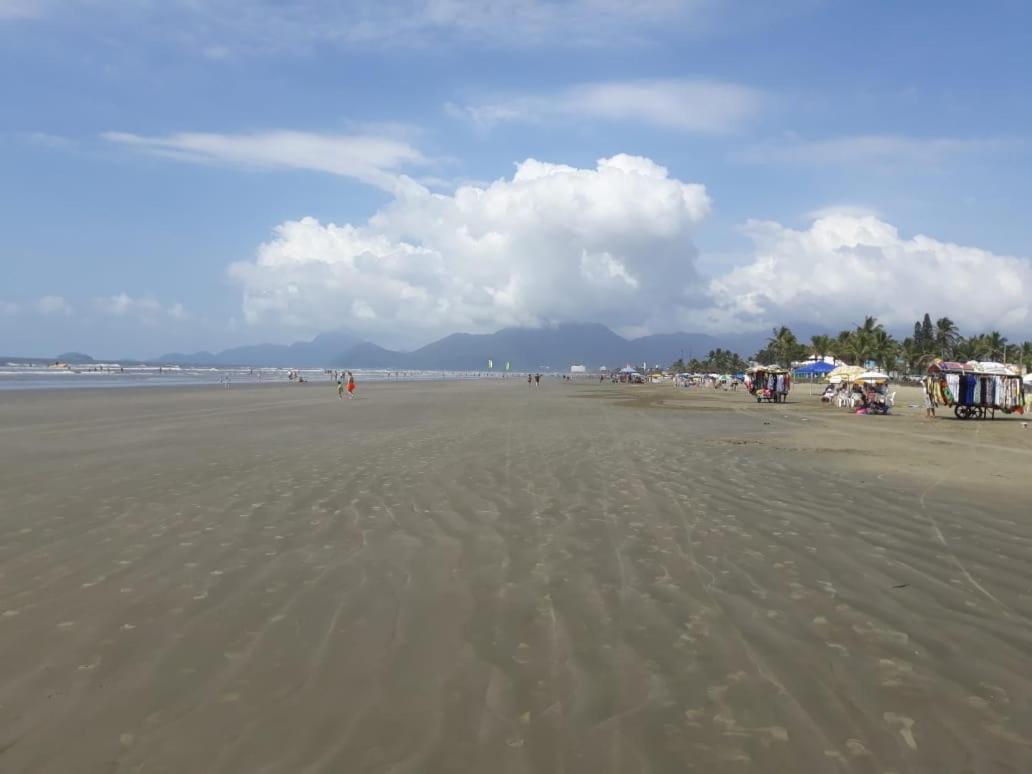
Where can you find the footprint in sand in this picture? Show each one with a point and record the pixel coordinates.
(856, 748)
(906, 727)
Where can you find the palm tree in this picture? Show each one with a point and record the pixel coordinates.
(871, 325)
(820, 346)
(883, 349)
(946, 335)
(909, 354)
(861, 345)
(841, 345)
(783, 343)
(969, 348)
(1026, 355)
(995, 344)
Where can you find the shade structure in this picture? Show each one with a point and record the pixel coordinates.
(846, 373)
(817, 368)
(872, 376)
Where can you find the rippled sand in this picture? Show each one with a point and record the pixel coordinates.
(486, 577)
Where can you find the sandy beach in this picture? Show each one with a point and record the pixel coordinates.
(487, 577)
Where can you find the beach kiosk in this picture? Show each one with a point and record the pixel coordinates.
(976, 390)
(768, 383)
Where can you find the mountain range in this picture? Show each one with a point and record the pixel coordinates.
(525, 349)
(321, 352)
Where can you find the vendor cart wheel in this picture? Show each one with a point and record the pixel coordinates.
(964, 412)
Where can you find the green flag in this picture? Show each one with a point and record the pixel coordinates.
(490, 363)
(506, 365)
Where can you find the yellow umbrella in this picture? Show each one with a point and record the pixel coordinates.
(846, 373)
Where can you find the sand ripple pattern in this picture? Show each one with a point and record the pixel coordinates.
(490, 578)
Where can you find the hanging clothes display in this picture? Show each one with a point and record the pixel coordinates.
(976, 390)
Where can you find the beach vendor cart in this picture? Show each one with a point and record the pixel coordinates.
(768, 383)
(976, 390)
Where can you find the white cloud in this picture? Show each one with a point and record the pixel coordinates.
(53, 305)
(45, 140)
(221, 28)
(144, 308)
(20, 9)
(681, 104)
(870, 149)
(845, 266)
(849, 210)
(553, 243)
(372, 159)
(178, 312)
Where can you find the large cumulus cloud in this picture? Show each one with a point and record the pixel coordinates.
(611, 244)
(845, 266)
(552, 243)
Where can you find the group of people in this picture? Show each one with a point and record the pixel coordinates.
(345, 381)
(862, 397)
(534, 379)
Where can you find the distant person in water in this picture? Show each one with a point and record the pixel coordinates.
(351, 385)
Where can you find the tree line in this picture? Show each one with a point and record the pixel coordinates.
(718, 361)
(871, 342)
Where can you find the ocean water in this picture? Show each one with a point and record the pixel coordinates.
(35, 377)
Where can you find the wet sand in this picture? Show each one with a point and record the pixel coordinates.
(486, 577)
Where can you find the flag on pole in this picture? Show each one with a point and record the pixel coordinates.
(506, 365)
(490, 363)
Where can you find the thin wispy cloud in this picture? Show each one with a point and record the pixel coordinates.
(374, 160)
(53, 305)
(144, 308)
(870, 149)
(679, 104)
(20, 9)
(223, 28)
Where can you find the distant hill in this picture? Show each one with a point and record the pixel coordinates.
(526, 349)
(75, 358)
(556, 348)
(320, 352)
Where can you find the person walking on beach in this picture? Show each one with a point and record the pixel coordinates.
(351, 385)
(530, 380)
(537, 379)
(929, 401)
(340, 387)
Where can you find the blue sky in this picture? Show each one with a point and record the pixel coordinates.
(186, 175)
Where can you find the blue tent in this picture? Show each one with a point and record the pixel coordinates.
(818, 368)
